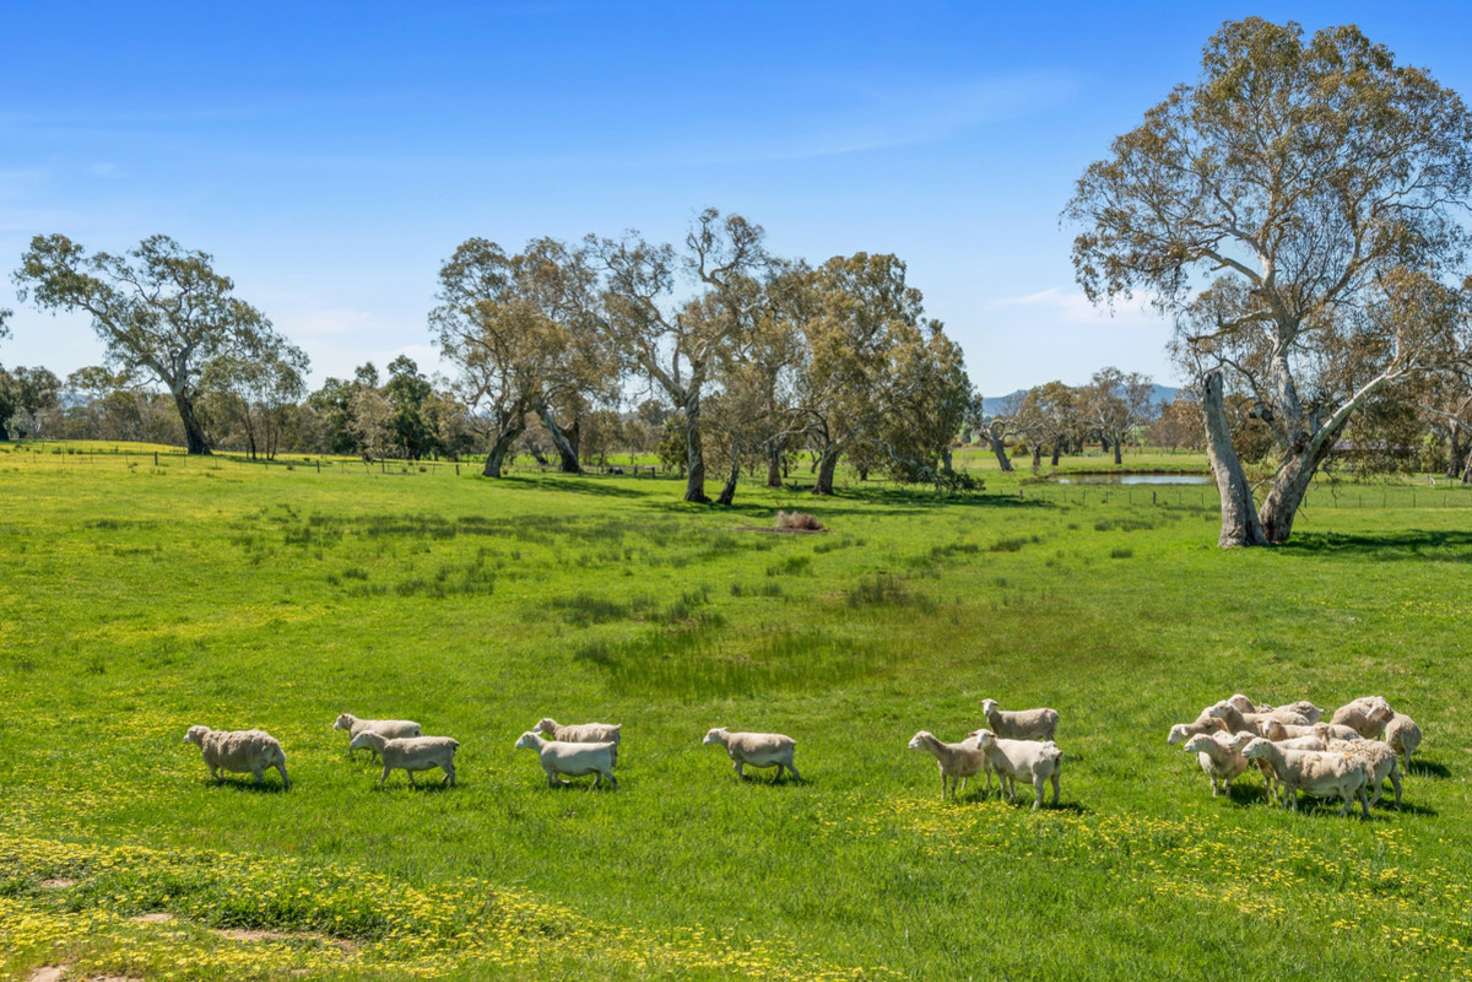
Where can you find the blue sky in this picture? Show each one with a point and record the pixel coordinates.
(331, 157)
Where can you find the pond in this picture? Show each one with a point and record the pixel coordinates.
(1134, 479)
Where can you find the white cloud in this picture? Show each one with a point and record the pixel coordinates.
(1072, 307)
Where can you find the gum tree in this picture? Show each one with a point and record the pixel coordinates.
(1298, 210)
(162, 312)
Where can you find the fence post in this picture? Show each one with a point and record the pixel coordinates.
(155, 458)
(457, 468)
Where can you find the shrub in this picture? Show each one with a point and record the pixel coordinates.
(797, 521)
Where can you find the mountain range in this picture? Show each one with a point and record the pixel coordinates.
(1159, 396)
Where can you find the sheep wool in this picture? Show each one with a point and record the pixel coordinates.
(410, 754)
(756, 750)
(240, 751)
(957, 761)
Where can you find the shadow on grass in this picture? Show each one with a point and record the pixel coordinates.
(1430, 768)
(1404, 544)
(248, 785)
(1405, 808)
(580, 484)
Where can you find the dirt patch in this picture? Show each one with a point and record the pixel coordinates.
(155, 917)
(47, 973)
(244, 934)
(776, 531)
(57, 883)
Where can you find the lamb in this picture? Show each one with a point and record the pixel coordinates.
(1380, 760)
(957, 761)
(410, 754)
(239, 751)
(393, 729)
(582, 733)
(756, 749)
(1367, 715)
(1278, 732)
(1038, 761)
(1208, 725)
(1404, 736)
(1269, 777)
(1218, 758)
(573, 759)
(1320, 774)
(1020, 724)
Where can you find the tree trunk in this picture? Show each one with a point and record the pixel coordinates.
(1240, 525)
(694, 454)
(566, 441)
(1118, 460)
(1455, 458)
(1037, 456)
(863, 470)
(497, 457)
(194, 438)
(728, 490)
(1057, 450)
(827, 464)
(774, 465)
(999, 449)
(1281, 504)
(945, 460)
(4, 433)
(1104, 442)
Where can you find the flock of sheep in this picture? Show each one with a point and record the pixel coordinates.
(1365, 743)
(400, 745)
(1350, 757)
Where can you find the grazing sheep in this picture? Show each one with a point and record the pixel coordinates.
(1020, 724)
(410, 754)
(1218, 757)
(239, 751)
(957, 761)
(573, 759)
(1404, 737)
(582, 733)
(1380, 760)
(1235, 720)
(1181, 732)
(391, 729)
(756, 749)
(1287, 716)
(1037, 761)
(1303, 708)
(1317, 773)
(1367, 716)
(1278, 732)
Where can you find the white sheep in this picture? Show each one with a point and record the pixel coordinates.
(1218, 758)
(391, 729)
(1367, 716)
(1181, 732)
(1317, 773)
(1036, 761)
(239, 751)
(410, 754)
(1404, 737)
(1020, 724)
(756, 750)
(1381, 761)
(582, 733)
(1278, 732)
(1240, 722)
(1305, 709)
(957, 761)
(572, 759)
(1302, 708)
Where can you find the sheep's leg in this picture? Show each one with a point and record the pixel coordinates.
(1364, 805)
(449, 770)
(793, 771)
(1037, 787)
(964, 781)
(1395, 783)
(739, 772)
(285, 781)
(1055, 789)
(259, 774)
(944, 783)
(1212, 779)
(552, 781)
(612, 781)
(410, 773)
(384, 776)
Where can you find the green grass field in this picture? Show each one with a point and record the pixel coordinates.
(138, 600)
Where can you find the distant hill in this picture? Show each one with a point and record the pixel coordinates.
(1159, 396)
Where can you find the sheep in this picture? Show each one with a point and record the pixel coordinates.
(1238, 741)
(410, 754)
(1038, 761)
(1020, 724)
(1208, 725)
(573, 759)
(582, 733)
(957, 761)
(393, 729)
(1320, 774)
(756, 749)
(1367, 715)
(1218, 758)
(1241, 703)
(1303, 708)
(1404, 736)
(239, 751)
(1240, 722)
(1380, 760)
(1278, 732)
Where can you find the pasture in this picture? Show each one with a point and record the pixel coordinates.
(138, 600)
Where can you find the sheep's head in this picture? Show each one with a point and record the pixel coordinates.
(1241, 703)
(717, 735)
(1240, 740)
(529, 741)
(1307, 709)
(920, 740)
(984, 738)
(988, 706)
(345, 721)
(546, 727)
(369, 739)
(1257, 747)
(1200, 744)
(195, 735)
(1379, 711)
(1274, 730)
(1219, 710)
(1178, 734)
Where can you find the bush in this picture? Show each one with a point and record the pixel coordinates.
(797, 521)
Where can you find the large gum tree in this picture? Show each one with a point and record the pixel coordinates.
(1299, 210)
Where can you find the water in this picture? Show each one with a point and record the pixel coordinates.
(1135, 479)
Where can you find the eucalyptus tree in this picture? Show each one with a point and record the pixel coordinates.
(1297, 209)
(678, 346)
(254, 390)
(161, 311)
(1116, 403)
